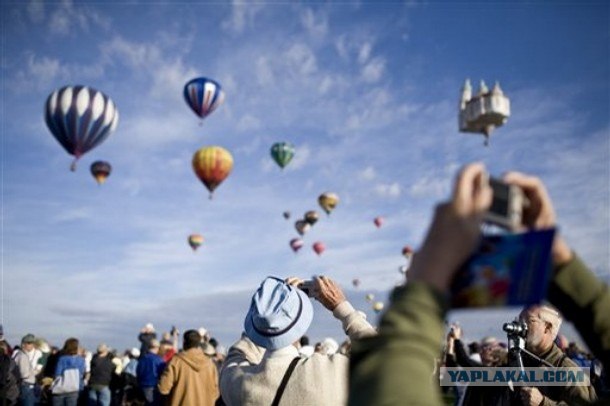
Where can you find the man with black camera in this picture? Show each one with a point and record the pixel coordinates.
(539, 326)
(266, 360)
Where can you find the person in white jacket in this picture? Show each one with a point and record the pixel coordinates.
(280, 314)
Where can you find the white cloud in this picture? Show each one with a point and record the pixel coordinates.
(248, 122)
(365, 52)
(325, 85)
(301, 157)
(67, 17)
(301, 59)
(373, 70)
(264, 74)
(368, 173)
(35, 10)
(315, 24)
(242, 15)
(388, 190)
(72, 215)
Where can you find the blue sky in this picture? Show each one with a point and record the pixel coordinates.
(367, 92)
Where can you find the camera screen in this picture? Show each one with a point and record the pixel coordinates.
(499, 204)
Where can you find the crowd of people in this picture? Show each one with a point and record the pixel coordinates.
(396, 363)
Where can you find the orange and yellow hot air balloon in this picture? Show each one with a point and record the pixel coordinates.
(100, 171)
(195, 241)
(328, 201)
(212, 165)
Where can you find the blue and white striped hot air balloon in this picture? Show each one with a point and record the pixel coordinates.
(203, 96)
(80, 118)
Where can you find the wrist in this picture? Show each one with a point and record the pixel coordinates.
(562, 254)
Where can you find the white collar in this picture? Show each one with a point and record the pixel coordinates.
(288, 351)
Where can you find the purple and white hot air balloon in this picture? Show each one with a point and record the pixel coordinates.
(80, 118)
(203, 96)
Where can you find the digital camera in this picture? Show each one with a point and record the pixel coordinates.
(515, 328)
(307, 287)
(506, 208)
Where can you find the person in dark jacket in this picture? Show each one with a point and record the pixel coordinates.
(102, 369)
(149, 370)
(9, 378)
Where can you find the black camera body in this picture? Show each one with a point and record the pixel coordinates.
(307, 287)
(515, 328)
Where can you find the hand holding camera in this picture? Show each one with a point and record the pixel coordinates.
(540, 214)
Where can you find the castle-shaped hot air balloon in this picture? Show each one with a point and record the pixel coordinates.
(483, 112)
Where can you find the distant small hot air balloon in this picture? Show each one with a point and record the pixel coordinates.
(212, 165)
(328, 201)
(356, 282)
(296, 244)
(319, 247)
(378, 221)
(311, 217)
(369, 297)
(302, 226)
(282, 153)
(100, 171)
(80, 118)
(203, 96)
(195, 241)
(378, 306)
(286, 215)
(407, 251)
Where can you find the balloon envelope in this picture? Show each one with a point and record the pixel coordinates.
(296, 244)
(286, 215)
(369, 297)
(311, 217)
(319, 247)
(212, 165)
(203, 96)
(378, 221)
(302, 226)
(195, 241)
(80, 118)
(378, 306)
(100, 171)
(407, 251)
(328, 201)
(282, 153)
(356, 282)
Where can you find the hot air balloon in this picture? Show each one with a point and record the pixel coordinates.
(212, 165)
(378, 221)
(302, 227)
(286, 215)
(80, 118)
(369, 297)
(282, 153)
(311, 217)
(195, 240)
(356, 282)
(203, 96)
(319, 247)
(407, 251)
(328, 201)
(296, 244)
(100, 171)
(378, 306)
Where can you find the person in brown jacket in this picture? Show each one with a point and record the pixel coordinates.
(190, 378)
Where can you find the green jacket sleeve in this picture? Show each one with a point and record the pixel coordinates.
(396, 366)
(585, 301)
